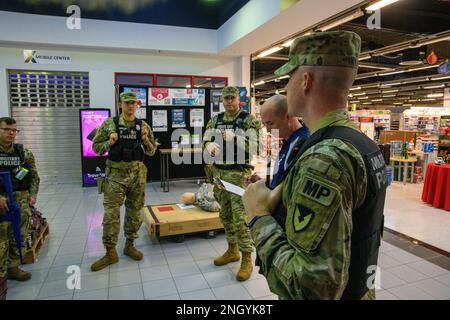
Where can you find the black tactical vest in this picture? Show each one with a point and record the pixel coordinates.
(12, 162)
(129, 146)
(368, 220)
(231, 147)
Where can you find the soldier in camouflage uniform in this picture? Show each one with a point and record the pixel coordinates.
(127, 140)
(334, 195)
(204, 198)
(229, 135)
(14, 158)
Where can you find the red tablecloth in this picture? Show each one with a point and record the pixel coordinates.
(436, 189)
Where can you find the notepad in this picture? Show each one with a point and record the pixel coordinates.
(232, 188)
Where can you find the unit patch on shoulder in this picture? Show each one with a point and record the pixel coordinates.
(302, 217)
(318, 190)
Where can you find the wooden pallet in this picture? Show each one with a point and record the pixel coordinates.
(32, 253)
(170, 220)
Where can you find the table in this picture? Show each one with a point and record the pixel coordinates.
(164, 163)
(407, 164)
(436, 189)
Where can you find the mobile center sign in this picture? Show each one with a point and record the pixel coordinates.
(46, 57)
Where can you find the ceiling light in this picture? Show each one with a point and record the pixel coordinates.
(188, 86)
(393, 72)
(435, 87)
(422, 68)
(287, 43)
(427, 99)
(259, 83)
(284, 77)
(391, 91)
(350, 17)
(441, 78)
(389, 96)
(412, 101)
(427, 42)
(277, 92)
(367, 102)
(369, 66)
(354, 101)
(363, 98)
(360, 94)
(380, 4)
(356, 88)
(398, 102)
(435, 95)
(377, 100)
(269, 51)
(350, 95)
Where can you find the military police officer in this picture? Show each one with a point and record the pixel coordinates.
(19, 161)
(334, 195)
(238, 139)
(127, 140)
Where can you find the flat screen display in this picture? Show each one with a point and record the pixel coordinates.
(90, 121)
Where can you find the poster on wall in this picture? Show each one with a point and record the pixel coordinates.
(216, 102)
(141, 94)
(92, 165)
(159, 123)
(197, 117)
(178, 118)
(176, 97)
(368, 128)
(141, 113)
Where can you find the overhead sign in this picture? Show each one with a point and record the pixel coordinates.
(46, 57)
(176, 97)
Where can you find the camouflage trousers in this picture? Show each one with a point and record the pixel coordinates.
(9, 251)
(232, 212)
(123, 185)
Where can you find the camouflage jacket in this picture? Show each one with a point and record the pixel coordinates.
(251, 142)
(310, 258)
(29, 160)
(101, 138)
(205, 199)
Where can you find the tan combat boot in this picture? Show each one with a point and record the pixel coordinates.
(110, 257)
(231, 255)
(246, 267)
(131, 251)
(18, 274)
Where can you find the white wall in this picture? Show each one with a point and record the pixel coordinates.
(24, 29)
(101, 68)
(254, 14)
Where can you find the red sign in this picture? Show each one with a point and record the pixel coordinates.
(160, 93)
(365, 119)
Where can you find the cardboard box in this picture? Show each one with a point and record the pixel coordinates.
(387, 136)
(170, 219)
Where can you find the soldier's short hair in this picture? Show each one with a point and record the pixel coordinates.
(7, 120)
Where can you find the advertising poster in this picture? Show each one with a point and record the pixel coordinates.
(197, 118)
(158, 97)
(216, 102)
(178, 118)
(90, 121)
(176, 97)
(141, 94)
(159, 123)
(92, 164)
(141, 113)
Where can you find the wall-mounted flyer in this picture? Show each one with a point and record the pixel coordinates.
(178, 118)
(159, 120)
(197, 117)
(176, 97)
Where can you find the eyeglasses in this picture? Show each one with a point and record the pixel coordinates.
(8, 130)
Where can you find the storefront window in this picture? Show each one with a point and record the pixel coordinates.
(173, 81)
(205, 82)
(134, 79)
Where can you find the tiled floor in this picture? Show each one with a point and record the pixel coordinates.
(185, 270)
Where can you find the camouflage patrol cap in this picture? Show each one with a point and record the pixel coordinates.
(230, 91)
(333, 48)
(128, 97)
